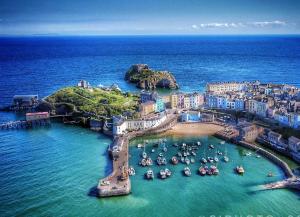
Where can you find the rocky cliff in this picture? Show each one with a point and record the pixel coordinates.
(146, 78)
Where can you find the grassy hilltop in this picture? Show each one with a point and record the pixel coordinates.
(96, 101)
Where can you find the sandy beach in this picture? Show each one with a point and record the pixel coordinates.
(196, 129)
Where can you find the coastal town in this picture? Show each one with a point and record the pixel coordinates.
(245, 113)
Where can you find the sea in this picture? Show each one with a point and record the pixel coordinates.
(53, 171)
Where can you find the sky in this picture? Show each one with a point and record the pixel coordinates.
(149, 17)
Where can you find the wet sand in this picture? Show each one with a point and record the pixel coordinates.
(195, 129)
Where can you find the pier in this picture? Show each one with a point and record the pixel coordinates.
(118, 182)
(292, 183)
(22, 124)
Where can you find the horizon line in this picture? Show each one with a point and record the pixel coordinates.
(139, 35)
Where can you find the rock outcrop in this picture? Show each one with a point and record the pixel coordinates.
(146, 78)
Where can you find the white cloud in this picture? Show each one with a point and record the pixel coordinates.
(195, 26)
(275, 23)
(221, 25)
(268, 23)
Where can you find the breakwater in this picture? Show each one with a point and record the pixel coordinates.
(118, 182)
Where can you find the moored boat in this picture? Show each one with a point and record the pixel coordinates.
(202, 171)
(187, 171)
(211, 146)
(168, 172)
(203, 160)
(131, 171)
(240, 170)
(174, 160)
(149, 174)
(139, 145)
(163, 174)
(225, 159)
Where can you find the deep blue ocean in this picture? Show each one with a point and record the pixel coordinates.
(53, 171)
(41, 65)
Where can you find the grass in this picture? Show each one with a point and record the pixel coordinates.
(95, 100)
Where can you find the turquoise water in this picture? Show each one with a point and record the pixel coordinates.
(52, 172)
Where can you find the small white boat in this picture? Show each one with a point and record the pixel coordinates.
(179, 154)
(165, 149)
(240, 170)
(222, 142)
(193, 153)
(163, 161)
(211, 146)
(187, 161)
(163, 174)
(203, 160)
(226, 159)
(131, 171)
(168, 172)
(182, 159)
(187, 171)
(258, 156)
(144, 154)
(160, 154)
(149, 174)
(192, 160)
(139, 145)
(216, 159)
(199, 143)
(175, 145)
(174, 160)
(153, 150)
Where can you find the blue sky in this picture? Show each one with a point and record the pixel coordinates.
(134, 17)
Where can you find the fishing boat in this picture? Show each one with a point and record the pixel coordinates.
(211, 146)
(192, 160)
(149, 174)
(240, 170)
(143, 162)
(159, 161)
(210, 159)
(139, 145)
(187, 171)
(182, 159)
(202, 171)
(214, 170)
(203, 160)
(131, 171)
(149, 161)
(187, 161)
(174, 160)
(144, 154)
(225, 159)
(168, 172)
(163, 174)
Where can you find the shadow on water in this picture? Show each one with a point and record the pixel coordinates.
(93, 192)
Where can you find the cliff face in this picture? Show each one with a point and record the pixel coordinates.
(146, 78)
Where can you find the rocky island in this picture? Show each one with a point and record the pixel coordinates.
(146, 78)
